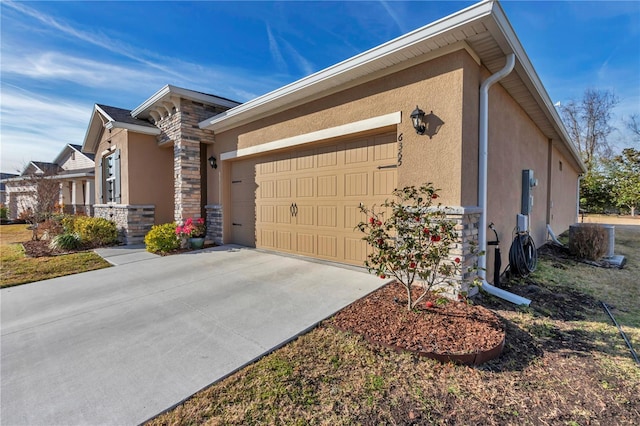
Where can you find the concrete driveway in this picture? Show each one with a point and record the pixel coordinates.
(120, 345)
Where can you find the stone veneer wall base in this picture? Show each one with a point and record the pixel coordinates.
(133, 221)
(214, 223)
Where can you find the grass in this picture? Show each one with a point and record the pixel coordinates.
(564, 363)
(20, 269)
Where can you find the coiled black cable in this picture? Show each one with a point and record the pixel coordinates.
(523, 256)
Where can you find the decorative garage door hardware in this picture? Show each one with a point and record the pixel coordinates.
(294, 210)
(389, 166)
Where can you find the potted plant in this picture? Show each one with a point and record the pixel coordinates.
(193, 229)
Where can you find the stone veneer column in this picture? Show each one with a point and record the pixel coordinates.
(214, 223)
(133, 221)
(467, 220)
(181, 127)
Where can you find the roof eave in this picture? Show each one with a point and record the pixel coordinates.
(168, 90)
(237, 114)
(146, 130)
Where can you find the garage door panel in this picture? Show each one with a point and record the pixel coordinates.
(305, 215)
(353, 216)
(356, 184)
(357, 152)
(355, 250)
(327, 185)
(384, 182)
(305, 243)
(283, 188)
(283, 214)
(328, 216)
(284, 240)
(328, 246)
(304, 187)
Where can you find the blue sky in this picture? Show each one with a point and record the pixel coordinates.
(59, 58)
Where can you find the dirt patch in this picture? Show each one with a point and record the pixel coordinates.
(41, 248)
(445, 328)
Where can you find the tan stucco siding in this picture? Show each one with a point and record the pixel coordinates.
(564, 192)
(515, 144)
(150, 175)
(435, 86)
(470, 129)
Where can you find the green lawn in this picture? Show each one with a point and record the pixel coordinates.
(19, 269)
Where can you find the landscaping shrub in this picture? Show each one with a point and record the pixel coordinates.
(4, 212)
(588, 241)
(96, 231)
(65, 242)
(162, 238)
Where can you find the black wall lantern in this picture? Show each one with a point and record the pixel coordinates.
(212, 162)
(417, 117)
(426, 124)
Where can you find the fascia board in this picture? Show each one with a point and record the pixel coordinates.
(185, 93)
(133, 127)
(306, 84)
(91, 137)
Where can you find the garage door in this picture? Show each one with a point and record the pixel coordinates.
(306, 202)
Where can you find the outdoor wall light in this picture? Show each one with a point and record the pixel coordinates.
(212, 162)
(417, 117)
(426, 124)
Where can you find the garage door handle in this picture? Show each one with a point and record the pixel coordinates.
(291, 210)
(295, 209)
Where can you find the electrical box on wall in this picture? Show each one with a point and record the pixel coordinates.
(528, 183)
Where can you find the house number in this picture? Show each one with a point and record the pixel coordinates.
(400, 149)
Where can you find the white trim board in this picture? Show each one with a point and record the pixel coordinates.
(331, 132)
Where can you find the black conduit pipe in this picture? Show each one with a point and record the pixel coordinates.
(624, 336)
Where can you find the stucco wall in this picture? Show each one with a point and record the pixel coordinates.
(515, 144)
(563, 195)
(150, 175)
(435, 86)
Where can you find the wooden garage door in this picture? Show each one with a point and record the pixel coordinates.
(306, 202)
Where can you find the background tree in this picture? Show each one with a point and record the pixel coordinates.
(588, 123)
(44, 191)
(625, 179)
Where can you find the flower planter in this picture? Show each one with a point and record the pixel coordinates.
(196, 243)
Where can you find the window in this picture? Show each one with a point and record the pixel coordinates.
(111, 177)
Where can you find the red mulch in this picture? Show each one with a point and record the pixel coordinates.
(451, 328)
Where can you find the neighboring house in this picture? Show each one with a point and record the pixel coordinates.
(293, 165)
(3, 197)
(72, 169)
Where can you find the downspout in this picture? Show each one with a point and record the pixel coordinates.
(483, 156)
(578, 199)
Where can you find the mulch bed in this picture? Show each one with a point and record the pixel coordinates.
(41, 249)
(451, 331)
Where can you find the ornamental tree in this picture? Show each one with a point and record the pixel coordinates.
(412, 243)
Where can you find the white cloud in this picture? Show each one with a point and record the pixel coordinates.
(394, 16)
(275, 51)
(37, 128)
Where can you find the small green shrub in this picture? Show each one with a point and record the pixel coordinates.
(96, 231)
(4, 212)
(588, 241)
(162, 238)
(65, 242)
